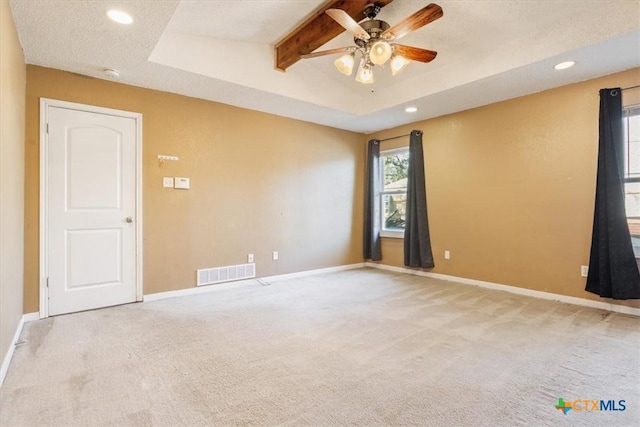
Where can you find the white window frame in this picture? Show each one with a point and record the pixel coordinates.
(632, 110)
(394, 234)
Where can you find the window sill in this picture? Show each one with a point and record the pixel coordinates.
(392, 234)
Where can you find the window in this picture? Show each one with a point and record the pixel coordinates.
(631, 118)
(395, 164)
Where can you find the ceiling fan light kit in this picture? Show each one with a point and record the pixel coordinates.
(380, 52)
(345, 63)
(375, 41)
(365, 73)
(398, 63)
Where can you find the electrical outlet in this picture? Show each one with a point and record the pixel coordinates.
(250, 258)
(275, 255)
(584, 270)
(447, 255)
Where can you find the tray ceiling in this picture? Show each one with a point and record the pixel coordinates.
(223, 51)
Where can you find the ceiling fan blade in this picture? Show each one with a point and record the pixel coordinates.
(316, 31)
(328, 52)
(349, 24)
(415, 53)
(419, 19)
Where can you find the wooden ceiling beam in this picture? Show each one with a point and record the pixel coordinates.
(317, 30)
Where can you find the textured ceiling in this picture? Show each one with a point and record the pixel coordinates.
(223, 51)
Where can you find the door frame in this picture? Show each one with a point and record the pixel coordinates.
(43, 269)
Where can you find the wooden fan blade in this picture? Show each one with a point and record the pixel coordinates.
(414, 53)
(419, 19)
(316, 30)
(349, 24)
(327, 52)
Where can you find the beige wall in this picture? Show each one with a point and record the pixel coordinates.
(12, 126)
(259, 183)
(511, 188)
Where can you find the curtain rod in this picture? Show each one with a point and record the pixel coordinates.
(395, 137)
(631, 87)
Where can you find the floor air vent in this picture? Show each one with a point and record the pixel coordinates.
(209, 276)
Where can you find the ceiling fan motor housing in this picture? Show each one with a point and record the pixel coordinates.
(373, 27)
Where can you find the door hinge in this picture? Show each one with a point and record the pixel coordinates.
(47, 130)
(47, 282)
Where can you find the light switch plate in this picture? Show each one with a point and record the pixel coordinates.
(181, 183)
(167, 182)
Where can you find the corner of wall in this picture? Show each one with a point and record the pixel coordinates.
(12, 161)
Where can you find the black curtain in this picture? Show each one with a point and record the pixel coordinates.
(417, 242)
(372, 214)
(613, 272)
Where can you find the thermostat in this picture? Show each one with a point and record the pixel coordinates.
(181, 183)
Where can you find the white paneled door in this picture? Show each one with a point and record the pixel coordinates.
(90, 210)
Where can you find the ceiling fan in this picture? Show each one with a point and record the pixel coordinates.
(375, 41)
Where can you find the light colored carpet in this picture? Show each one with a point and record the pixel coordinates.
(360, 347)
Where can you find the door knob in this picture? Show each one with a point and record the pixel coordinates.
(129, 220)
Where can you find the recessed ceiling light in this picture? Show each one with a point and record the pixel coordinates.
(411, 109)
(564, 65)
(119, 16)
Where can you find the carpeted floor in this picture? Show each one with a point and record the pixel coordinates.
(360, 347)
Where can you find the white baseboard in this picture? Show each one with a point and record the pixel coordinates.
(30, 317)
(513, 289)
(7, 358)
(247, 282)
(314, 272)
(199, 290)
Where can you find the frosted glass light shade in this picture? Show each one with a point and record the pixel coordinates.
(398, 63)
(365, 73)
(380, 52)
(345, 63)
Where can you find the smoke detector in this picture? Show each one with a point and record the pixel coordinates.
(111, 73)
